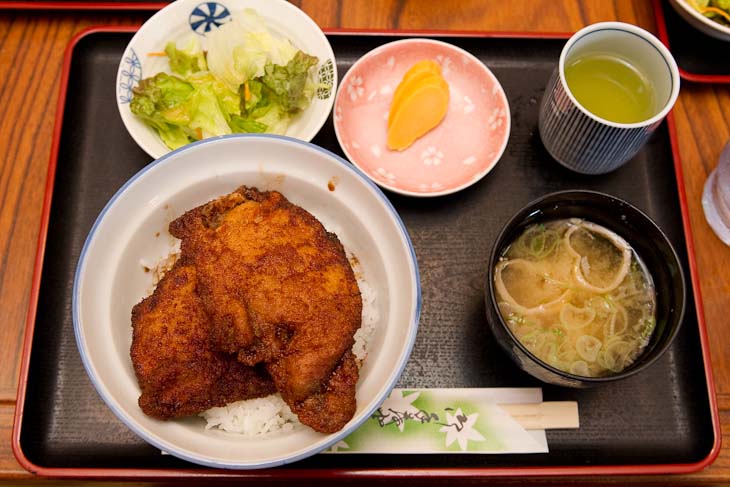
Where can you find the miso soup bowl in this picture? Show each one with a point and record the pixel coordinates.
(640, 232)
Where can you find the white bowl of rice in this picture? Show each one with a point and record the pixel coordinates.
(130, 237)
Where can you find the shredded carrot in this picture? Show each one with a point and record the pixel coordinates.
(157, 54)
(200, 133)
(246, 92)
(717, 11)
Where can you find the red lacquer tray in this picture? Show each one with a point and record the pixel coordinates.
(665, 422)
(80, 5)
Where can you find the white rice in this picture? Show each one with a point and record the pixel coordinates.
(253, 417)
(370, 318)
(266, 415)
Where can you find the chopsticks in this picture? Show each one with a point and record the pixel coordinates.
(545, 415)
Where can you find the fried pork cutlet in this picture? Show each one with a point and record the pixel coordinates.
(279, 290)
(177, 370)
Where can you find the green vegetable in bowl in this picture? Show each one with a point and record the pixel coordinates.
(188, 60)
(717, 10)
(160, 102)
(248, 82)
(289, 82)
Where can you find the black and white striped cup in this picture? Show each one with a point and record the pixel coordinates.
(584, 142)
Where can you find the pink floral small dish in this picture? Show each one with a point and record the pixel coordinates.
(460, 151)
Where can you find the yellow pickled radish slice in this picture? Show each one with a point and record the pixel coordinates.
(425, 66)
(418, 71)
(421, 109)
(408, 86)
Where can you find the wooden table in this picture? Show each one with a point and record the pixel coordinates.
(31, 49)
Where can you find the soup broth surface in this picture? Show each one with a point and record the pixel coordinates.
(577, 296)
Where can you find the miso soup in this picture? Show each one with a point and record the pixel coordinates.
(577, 296)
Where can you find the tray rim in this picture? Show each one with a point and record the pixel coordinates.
(346, 473)
(661, 24)
(78, 5)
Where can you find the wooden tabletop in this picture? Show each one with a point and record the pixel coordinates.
(31, 50)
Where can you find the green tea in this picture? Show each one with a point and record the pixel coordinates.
(611, 88)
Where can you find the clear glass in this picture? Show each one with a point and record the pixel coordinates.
(716, 197)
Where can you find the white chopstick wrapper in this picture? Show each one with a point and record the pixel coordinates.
(490, 420)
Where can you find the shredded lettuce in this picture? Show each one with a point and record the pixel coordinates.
(246, 125)
(229, 101)
(162, 102)
(248, 81)
(207, 113)
(190, 59)
(291, 83)
(239, 50)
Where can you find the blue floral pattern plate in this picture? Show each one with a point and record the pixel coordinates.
(185, 18)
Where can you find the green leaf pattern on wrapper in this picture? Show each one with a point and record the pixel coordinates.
(419, 417)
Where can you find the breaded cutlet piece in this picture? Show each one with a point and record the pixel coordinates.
(177, 370)
(280, 291)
